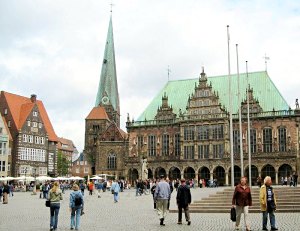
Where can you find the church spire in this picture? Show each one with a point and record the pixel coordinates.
(108, 87)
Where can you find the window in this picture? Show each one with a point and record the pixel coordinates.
(5, 111)
(23, 170)
(25, 138)
(267, 140)
(2, 166)
(203, 151)
(177, 144)
(189, 152)
(34, 124)
(217, 131)
(8, 167)
(140, 141)
(35, 113)
(42, 171)
(165, 143)
(236, 141)
(40, 125)
(30, 138)
(218, 151)
(37, 139)
(86, 170)
(282, 139)
(253, 140)
(151, 145)
(3, 150)
(9, 124)
(28, 123)
(42, 140)
(189, 133)
(203, 132)
(32, 154)
(111, 161)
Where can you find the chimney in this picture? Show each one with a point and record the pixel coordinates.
(33, 98)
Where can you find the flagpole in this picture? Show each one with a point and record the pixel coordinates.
(230, 112)
(248, 120)
(240, 114)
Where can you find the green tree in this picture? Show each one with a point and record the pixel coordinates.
(62, 164)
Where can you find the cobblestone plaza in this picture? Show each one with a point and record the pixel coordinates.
(27, 212)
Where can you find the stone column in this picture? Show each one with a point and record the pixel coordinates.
(211, 176)
(276, 177)
(226, 179)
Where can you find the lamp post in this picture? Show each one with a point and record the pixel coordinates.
(25, 177)
(34, 187)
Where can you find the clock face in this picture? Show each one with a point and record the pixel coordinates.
(105, 100)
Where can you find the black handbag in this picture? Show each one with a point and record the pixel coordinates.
(47, 203)
(233, 214)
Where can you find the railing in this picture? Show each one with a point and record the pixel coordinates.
(183, 118)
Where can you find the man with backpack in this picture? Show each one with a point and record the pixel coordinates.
(76, 207)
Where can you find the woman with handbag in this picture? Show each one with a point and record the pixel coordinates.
(55, 196)
(241, 200)
(115, 188)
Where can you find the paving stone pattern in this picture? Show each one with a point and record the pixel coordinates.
(27, 212)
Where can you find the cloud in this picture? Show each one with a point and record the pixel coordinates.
(54, 49)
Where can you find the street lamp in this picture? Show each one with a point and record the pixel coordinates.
(34, 187)
(25, 177)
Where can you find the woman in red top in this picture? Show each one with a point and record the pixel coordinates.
(242, 200)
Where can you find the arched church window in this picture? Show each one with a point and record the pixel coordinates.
(112, 161)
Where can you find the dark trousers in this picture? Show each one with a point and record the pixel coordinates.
(186, 212)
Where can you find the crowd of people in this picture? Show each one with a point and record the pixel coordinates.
(161, 190)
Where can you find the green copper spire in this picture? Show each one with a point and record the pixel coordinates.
(108, 87)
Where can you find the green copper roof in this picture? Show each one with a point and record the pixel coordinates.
(108, 85)
(178, 92)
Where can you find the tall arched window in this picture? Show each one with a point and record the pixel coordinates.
(112, 161)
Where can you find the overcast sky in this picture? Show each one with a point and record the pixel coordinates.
(55, 49)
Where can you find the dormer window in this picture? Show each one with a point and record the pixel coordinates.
(28, 123)
(34, 124)
(35, 113)
(9, 124)
(5, 111)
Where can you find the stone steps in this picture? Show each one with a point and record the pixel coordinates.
(288, 201)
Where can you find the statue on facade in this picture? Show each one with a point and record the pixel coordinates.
(144, 169)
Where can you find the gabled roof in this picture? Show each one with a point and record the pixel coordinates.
(21, 106)
(178, 92)
(97, 113)
(65, 144)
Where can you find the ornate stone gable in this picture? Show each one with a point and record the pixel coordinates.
(112, 133)
(204, 101)
(165, 112)
(254, 106)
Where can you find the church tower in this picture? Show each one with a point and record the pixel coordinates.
(105, 143)
(108, 94)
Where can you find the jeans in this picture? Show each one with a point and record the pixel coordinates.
(272, 219)
(116, 196)
(76, 212)
(54, 210)
(137, 191)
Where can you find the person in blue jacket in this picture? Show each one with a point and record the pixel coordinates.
(76, 206)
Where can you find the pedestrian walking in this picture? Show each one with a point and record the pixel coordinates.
(76, 206)
(162, 195)
(295, 175)
(5, 192)
(11, 190)
(268, 203)
(99, 188)
(82, 187)
(91, 187)
(152, 192)
(241, 200)
(55, 196)
(115, 189)
(183, 200)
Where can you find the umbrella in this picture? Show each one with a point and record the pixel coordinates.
(7, 178)
(27, 178)
(75, 178)
(96, 178)
(43, 178)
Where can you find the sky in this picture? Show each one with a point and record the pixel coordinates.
(54, 49)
